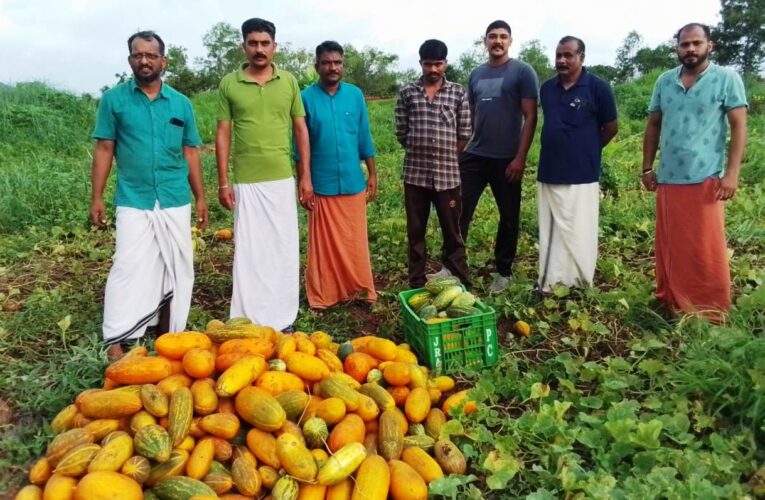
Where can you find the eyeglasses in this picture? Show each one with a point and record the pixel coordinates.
(148, 57)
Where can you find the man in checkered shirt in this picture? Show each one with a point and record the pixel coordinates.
(433, 125)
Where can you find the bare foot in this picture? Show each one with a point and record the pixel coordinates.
(114, 352)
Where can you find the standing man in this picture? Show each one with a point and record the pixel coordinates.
(580, 119)
(151, 131)
(687, 120)
(338, 251)
(433, 125)
(503, 102)
(262, 105)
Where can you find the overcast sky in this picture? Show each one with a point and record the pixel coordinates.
(79, 45)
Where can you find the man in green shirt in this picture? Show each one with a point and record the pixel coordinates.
(151, 131)
(260, 106)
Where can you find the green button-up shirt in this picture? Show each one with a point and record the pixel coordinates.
(149, 137)
(262, 123)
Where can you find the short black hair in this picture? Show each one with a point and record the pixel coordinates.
(707, 31)
(433, 50)
(498, 24)
(579, 43)
(148, 36)
(258, 25)
(328, 46)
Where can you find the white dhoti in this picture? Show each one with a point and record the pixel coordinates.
(153, 265)
(568, 233)
(267, 253)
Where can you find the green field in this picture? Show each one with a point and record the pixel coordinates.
(606, 399)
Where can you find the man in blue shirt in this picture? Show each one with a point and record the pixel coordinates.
(579, 120)
(151, 131)
(338, 267)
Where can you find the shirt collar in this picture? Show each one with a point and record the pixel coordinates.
(447, 84)
(582, 81)
(679, 70)
(242, 76)
(323, 89)
(162, 90)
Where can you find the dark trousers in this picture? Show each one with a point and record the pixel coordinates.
(476, 173)
(417, 201)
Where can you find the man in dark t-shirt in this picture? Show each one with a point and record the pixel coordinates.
(503, 102)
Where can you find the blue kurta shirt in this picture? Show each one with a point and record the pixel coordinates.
(694, 123)
(149, 137)
(571, 145)
(338, 127)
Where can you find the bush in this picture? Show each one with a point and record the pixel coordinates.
(633, 98)
(44, 138)
(755, 93)
(34, 116)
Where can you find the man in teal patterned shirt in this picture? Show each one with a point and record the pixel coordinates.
(690, 111)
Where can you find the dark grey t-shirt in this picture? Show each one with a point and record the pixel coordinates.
(495, 94)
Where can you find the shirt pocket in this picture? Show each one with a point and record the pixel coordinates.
(575, 111)
(448, 114)
(351, 123)
(174, 136)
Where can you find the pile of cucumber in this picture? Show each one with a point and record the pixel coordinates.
(443, 298)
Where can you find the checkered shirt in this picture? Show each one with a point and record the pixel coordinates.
(429, 132)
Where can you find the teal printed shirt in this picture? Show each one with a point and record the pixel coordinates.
(338, 127)
(149, 137)
(694, 123)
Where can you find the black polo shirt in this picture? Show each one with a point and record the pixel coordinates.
(570, 152)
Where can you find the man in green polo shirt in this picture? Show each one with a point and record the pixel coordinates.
(151, 131)
(260, 106)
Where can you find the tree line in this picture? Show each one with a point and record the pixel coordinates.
(739, 41)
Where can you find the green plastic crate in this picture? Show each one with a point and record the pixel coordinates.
(454, 344)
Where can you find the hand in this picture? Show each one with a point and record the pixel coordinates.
(305, 189)
(649, 180)
(201, 206)
(726, 189)
(514, 170)
(97, 213)
(226, 197)
(372, 188)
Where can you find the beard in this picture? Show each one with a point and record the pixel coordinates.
(691, 64)
(146, 77)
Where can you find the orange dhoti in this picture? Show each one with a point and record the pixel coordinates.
(338, 267)
(692, 271)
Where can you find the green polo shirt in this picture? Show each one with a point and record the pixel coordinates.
(149, 137)
(262, 129)
(694, 123)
